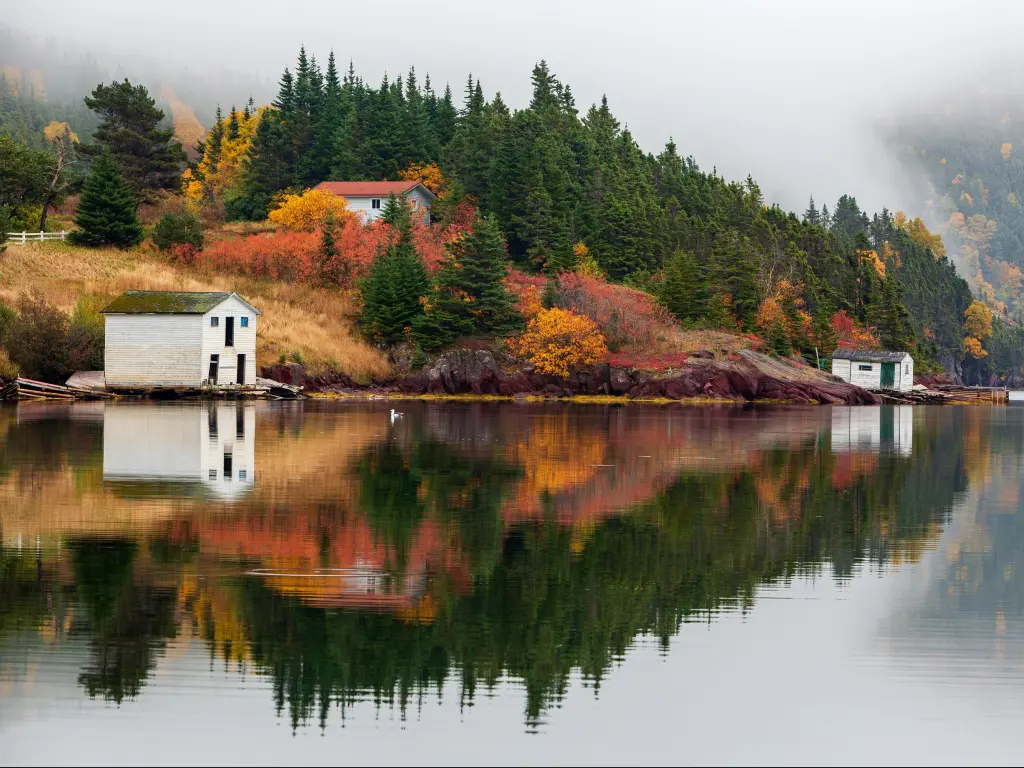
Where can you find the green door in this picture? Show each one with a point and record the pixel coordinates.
(888, 375)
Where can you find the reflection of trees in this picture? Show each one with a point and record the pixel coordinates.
(128, 621)
(533, 567)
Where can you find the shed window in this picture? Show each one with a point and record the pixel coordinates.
(241, 474)
(244, 322)
(214, 322)
(863, 367)
(375, 203)
(906, 369)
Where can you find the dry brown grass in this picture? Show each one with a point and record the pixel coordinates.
(719, 342)
(296, 319)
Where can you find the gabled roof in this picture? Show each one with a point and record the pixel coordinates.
(867, 356)
(372, 188)
(170, 302)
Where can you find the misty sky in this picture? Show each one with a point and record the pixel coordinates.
(790, 91)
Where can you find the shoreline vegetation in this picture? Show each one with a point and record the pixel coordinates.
(559, 259)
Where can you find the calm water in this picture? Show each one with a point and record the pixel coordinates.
(310, 583)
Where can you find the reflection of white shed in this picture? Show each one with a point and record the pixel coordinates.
(874, 370)
(209, 446)
(873, 429)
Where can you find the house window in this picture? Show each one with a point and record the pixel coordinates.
(229, 331)
(244, 322)
(863, 367)
(214, 322)
(241, 474)
(375, 203)
(906, 369)
(213, 474)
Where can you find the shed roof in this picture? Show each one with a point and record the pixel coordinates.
(372, 188)
(867, 356)
(170, 302)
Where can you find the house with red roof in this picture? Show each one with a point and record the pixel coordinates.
(367, 198)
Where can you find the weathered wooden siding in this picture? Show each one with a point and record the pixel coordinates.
(841, 368)
(364, 205)
(905, 375)
(153, 350)
(245, 341)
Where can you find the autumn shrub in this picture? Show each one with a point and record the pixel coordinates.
(309, 211)
(38, 340)
(86, 336)
(8, 369)
(849, 334)
(628, 318)
(558, 342)
(178, 228)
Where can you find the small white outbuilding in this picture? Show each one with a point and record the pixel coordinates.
(180, 339)
(874, 370)
(368, 198)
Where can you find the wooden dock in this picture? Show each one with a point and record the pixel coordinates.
(945, 393)
(86, 386)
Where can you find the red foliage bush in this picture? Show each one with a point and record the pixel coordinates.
(296, 256)
(629, 319)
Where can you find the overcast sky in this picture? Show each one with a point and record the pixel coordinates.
(789, 91)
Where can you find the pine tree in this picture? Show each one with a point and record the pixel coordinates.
(684, 288)
(824, 335)
(811, 215)
(232, 132)
(732, 272)
(129, 130)
(106, 210)
(469, 295)
(397, 281)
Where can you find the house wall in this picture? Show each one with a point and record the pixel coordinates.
(905, 377)
(153, 350)
(364, 205)
(841, 368)
(245, 342)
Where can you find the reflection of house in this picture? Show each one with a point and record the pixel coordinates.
(209, 446)
(179, 339)
(874, 370)
(872, 429)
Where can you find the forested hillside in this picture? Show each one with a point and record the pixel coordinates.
(572, 193)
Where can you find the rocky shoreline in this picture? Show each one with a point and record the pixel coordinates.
(744, 377)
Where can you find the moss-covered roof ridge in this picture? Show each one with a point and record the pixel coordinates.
(166, 302)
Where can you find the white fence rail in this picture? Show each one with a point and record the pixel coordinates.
(20, 238)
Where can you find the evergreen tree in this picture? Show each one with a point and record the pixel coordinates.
(232, 132)
(825, 337)
(812, 215)
(732, 272)
(106, 210)
(469, 295)
(129, 130)
(397, 281)
(684, 288)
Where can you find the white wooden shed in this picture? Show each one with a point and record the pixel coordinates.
(180, 339)
(874, 370)
(367, 198)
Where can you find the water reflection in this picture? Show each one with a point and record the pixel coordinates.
(359, 560)
(208, 449)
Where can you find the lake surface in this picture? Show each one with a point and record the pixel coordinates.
(310, 583)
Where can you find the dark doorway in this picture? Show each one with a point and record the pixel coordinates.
(229, 331)
(240, 378)
(214, 364)
(228, 470)
(239, 422)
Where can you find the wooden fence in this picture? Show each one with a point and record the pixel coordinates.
(20, 238)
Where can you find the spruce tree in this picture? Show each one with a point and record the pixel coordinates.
(684, 288)
(824, 335)
(732, 271)
(397, 281)
(469, 295)
(106, 210)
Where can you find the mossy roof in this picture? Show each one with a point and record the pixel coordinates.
(166, 302)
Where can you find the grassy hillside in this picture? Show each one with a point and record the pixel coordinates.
(313, 323)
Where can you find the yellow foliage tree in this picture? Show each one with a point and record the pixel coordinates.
(586, 264)
(978, 321)
(871, 258)
(429, 175)
(920, 234)
(973, 348)
(220, 169)
(1005, 150)
(308, 212)
(558, 342)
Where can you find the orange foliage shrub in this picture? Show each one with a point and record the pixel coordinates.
(558, 342)
(852, 336)
(629, 319)
(310, 210)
